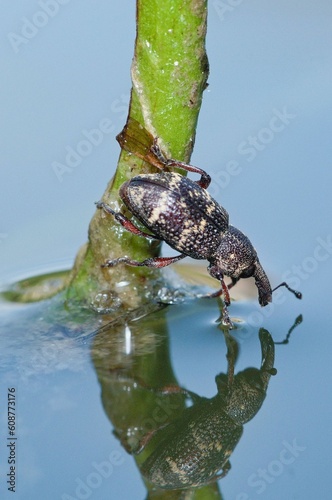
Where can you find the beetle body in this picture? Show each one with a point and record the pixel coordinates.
(182, 213)
(177, 211)
(195, 448)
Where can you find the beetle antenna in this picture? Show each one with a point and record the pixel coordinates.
(297, 322)
(297, 294)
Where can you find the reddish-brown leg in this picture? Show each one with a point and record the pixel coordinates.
(157, 262)
(126, 223)
(205, 179)
(226, 302)
(222, 291)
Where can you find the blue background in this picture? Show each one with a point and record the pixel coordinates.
(266, 58)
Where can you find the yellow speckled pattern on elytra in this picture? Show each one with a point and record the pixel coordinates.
(181, 212)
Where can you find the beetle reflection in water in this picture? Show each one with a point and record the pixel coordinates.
(194, 449)
(176, 446)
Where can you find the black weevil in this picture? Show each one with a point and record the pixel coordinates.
(194, 449)
(182, 213)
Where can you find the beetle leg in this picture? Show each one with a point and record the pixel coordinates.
(232, 355)
(226, 302)
(205, 179)
(225, 317)
(176, 389)
(233, 283)
(157, 262)
(126, 223)
(222, 291)
(155, 149)
(147, 438)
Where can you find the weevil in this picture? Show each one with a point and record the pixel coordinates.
(181, 212)
(194, 449)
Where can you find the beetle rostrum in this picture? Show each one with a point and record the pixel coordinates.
(182, 213)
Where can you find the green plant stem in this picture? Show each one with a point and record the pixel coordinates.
(169, 74)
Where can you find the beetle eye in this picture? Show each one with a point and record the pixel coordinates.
(215, 271)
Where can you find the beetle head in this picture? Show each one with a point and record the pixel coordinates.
(246, 394)
(236, 257)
